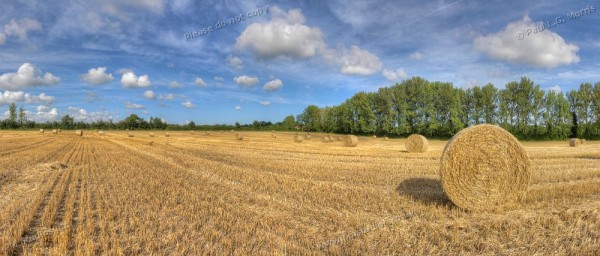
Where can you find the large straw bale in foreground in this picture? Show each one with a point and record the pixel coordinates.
(574, 142)
(350, 141)
(416, 143)
(485, 168)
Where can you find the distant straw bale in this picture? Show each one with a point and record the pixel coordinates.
(79, 132)
(239, 136)
(350, 140)
(297, 138)
(416, 143)
(485, 168)
(575, 142)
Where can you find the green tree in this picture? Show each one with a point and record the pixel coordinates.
(311, 118)
(22, 117)
(289, 122)
(67, 122)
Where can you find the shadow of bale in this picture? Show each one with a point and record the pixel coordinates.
(426, 190)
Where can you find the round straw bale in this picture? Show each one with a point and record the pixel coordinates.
(231, 130)
(574, 142)
(485, 168)
(41, 130)
(129, 134)
(350, 141)
(79, 132)
(54, 131)
(374, 136)
(239, 136)
(583, 141)
(101, 132)
(151, 134)
(416, 143)
(308, 136)
(273, 136)
(167, 134)
(338, 138)
(326, 139)
(386, 138)
(207, 133)
(59, 131)
(297, 138)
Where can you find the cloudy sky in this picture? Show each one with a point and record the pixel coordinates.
(238, 61)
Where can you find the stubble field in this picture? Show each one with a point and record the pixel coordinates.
(191, 194)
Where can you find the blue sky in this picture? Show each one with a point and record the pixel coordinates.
(106, 59)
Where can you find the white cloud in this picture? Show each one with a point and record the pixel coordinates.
(394, 76)
(27, 76)
(555, 88)
(219, 79)
(238, 108)
(122, 9)
(19, 28)
(354, 61)
(97, 76)
(8, 97)
(149, 94)
(134, 106)
(416, 56)
(123, 71)
(174, 84)
(188, 105)
(199, 82)
(43, 114)
(265, 103)
(168, 96)
(273, 85)
(235, 62)
(285, 35)
(80, 114)
(246, 81)
(529, 43)
(130, 80)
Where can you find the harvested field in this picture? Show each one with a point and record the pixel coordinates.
(191, 195)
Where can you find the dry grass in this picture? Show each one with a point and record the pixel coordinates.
(194, 195)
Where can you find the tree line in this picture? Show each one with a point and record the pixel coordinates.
(438, 109)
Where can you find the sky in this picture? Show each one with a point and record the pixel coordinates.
(221, 62)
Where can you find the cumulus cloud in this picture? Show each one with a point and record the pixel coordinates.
(97, 76)
(273, 85)
(149, 94)
(354, 61)
(43, 114)
(8, 97)
(246, 81)
(416, 56)
(80, 114)
(517, 43)
(555, 88)
(27, 76)
(19, 28)
(130, 80)
(285, 35)
(235, 62)
(394, 75)
(219, 79)
(265, 103)
(174, 84)
(238, 108)
(134, 106)
(168, 96)
(122, 9)
(199, 82)
(188, 105)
